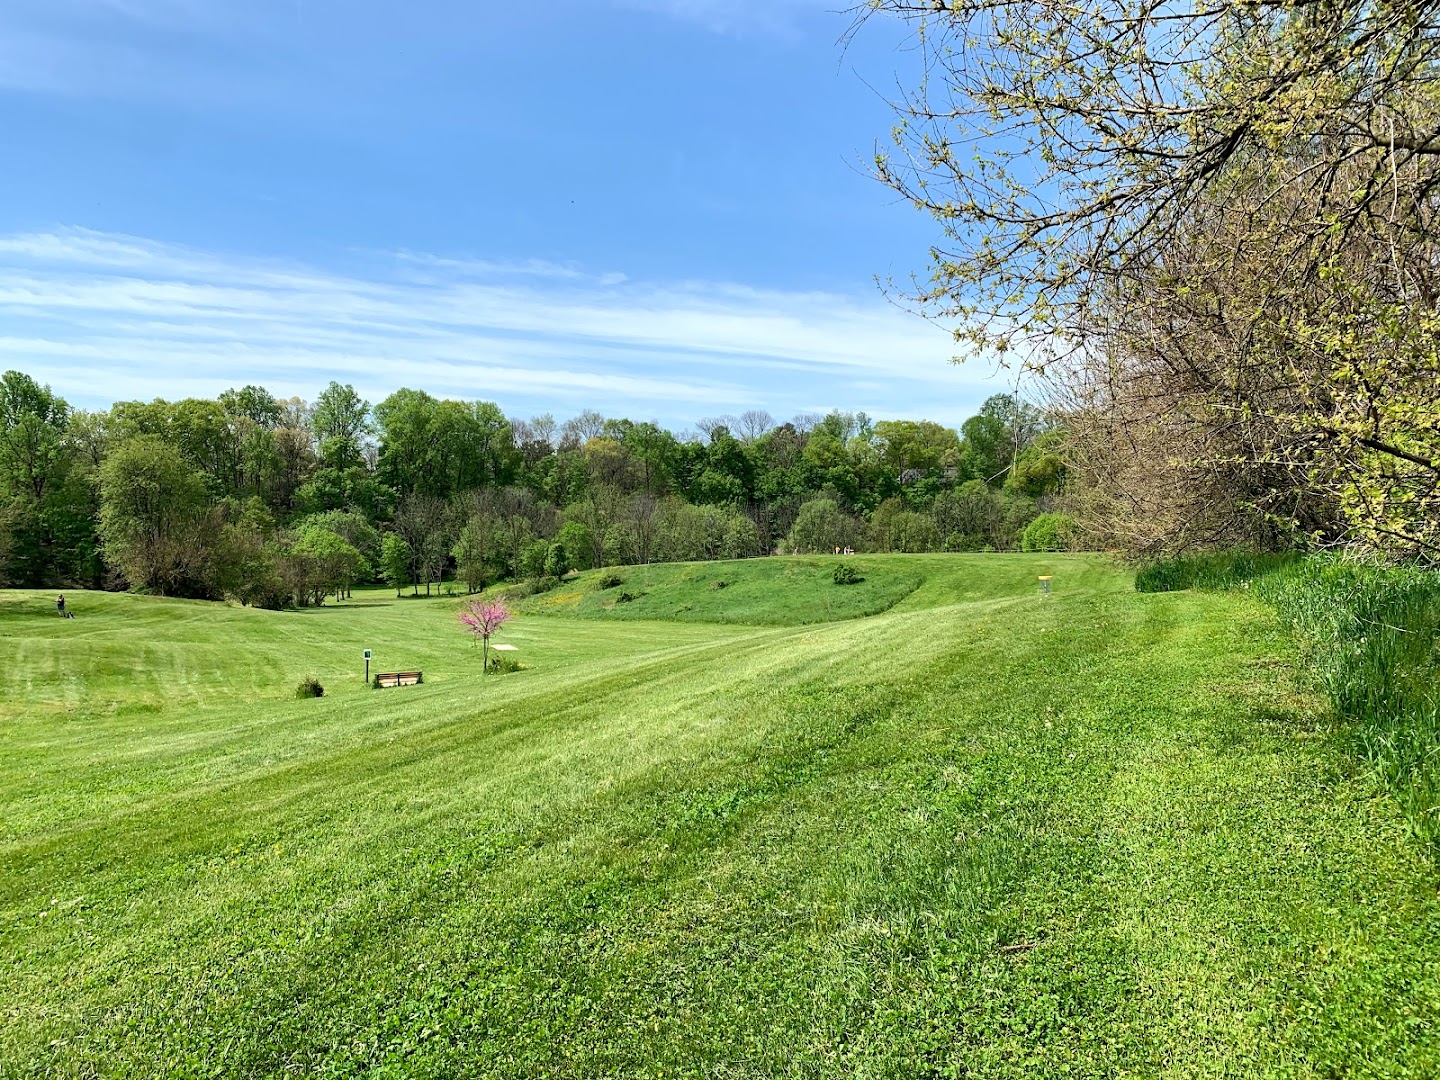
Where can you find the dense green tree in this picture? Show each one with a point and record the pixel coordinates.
(913, 532)
(395, 561)
(40, 505)
(254, 404)
(352, 527)
(822, 526)
(578, 545)
(742, 538)
(1040, 470)
(557, 560)
(246, 566)
(333, 565)
(917, 444)
(826, 463)
(1049, 532)
(441, 448)
(340, 420)
(156, 518)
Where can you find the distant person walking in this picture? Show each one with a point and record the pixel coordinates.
(60, 607)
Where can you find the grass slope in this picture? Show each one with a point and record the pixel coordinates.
(783, 592)
(800, 590)
(981, 834)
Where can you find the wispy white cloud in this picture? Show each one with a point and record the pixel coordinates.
(734, 16)
(102, 316)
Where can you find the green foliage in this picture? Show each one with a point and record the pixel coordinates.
(155, 518)
(821, 526)
(441, 448)
(575, 538)
(309, 688)
(1040, 469)
(350, 526)
(742, 538)
(340, 419)
(846, 574)
(557, 560)
(254, 405)
(610, 581)
(504, 664)
(41, 525)
(395, 559)
(911, 444)
(319, 562)
(914, 533)
(450, 485)
(246, 564)
(534, 557)
(1049, 532)
(1371, 636)
(1210, 570)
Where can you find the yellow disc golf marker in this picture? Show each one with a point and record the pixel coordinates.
(1045, 580)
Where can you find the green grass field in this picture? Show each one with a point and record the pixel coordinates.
(933, 825)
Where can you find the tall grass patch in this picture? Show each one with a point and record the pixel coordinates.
(1211, 570)
(1370, 635)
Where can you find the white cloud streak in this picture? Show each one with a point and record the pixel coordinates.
(101, 316)
(735, 17)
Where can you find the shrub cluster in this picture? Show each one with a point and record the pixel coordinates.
(845, 574)
(309, 688)
(1049, 532)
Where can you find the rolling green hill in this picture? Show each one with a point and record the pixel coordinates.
(801, 589)
(981, 833)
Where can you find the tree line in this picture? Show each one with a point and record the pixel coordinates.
(276, 502)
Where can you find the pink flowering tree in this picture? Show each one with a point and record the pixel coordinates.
(481, 618)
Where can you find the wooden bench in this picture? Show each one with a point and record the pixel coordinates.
(398, 678)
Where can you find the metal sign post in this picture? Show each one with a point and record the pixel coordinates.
(367, 666)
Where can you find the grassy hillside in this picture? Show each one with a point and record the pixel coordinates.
(799, 590)
(980, 834)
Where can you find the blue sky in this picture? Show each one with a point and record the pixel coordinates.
(653, 208)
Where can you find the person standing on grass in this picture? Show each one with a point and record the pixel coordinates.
(60, 604)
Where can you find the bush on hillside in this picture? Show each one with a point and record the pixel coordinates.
(610, 581)
(1049, 532)
(845, 574)
(309, 688)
